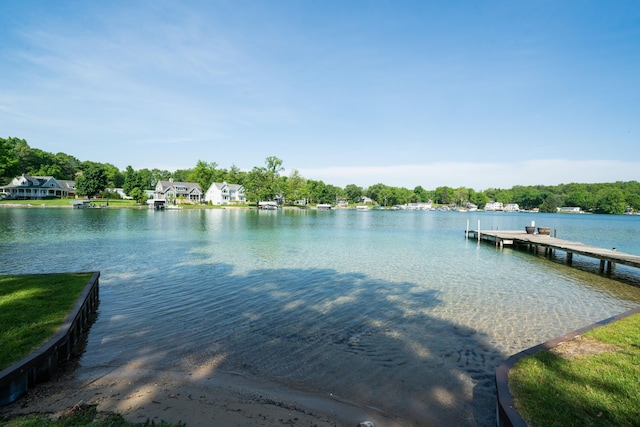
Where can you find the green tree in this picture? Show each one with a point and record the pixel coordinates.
(273, 170)
(632, 195)
(479, 199)
(69, 166)
(421, 194)
(353, 192)
(377, 192)
(41, 163)
(319, 193)
(9, 162)
(399, 196)
(550, 204)
(132, 180)
(295, 186)
(255, 185)
(48, 170)
(234, 175)
(92, 181)
(115, 178)
(333, 193)
(444, 195)
(158, 175)
(461, 196)
(147, 180)
(504, 196)
(527, 197)
(577, 197)
(182, 175)
(264, 183)
(27, 158)
(387, 196)
(139, 195)
(611, 201)
(204, 174)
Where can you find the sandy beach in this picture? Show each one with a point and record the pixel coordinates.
(218, 399)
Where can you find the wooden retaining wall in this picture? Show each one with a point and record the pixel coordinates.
(40, 366)
(507, 414)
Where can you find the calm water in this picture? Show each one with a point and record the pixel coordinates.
(388, 309)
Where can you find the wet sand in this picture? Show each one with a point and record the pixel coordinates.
(219, 399)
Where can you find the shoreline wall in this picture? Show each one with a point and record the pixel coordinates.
(507, 414)
(40, 365)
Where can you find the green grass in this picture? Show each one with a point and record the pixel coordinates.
(600, 389)
(83, 415)
(32, 309)
(46, 202)
(66, 203)
(113, 203)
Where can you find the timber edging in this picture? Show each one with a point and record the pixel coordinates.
(40, 365)
(507, 414)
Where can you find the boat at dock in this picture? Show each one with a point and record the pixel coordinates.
(268, 206)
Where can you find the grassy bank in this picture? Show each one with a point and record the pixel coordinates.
(113, 203)
(32, 309)
(83, 415)
(66, 203)
(590, 381)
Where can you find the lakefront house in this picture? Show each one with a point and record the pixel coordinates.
(178, 191)
(27, 187)
(222, 193)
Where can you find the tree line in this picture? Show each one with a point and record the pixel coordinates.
(269, 182)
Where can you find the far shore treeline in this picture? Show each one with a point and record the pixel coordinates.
(268, 181)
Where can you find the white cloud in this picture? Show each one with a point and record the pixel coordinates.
(479, 176)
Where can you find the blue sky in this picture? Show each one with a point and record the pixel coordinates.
(462, 93)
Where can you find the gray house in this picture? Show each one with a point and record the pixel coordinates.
(175, 191)
(27, 187)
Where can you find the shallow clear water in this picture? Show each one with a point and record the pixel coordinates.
(390, 309)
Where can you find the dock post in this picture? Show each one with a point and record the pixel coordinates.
(467, 233)
(601, 266)
(569, 258)
(478, 231)
(611, 266)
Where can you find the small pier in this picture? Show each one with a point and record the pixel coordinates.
(547, 245)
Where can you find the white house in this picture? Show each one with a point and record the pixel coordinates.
(420, 206)
(512, 207)
(221, 193)
(570, 209)
(494, 206)
(27, 187)
(366, 200)
(173, 191)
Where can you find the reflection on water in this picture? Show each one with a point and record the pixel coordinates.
(394, 310)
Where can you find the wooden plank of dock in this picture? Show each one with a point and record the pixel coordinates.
(549, 243)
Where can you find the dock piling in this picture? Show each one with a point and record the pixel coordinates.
(547, 245)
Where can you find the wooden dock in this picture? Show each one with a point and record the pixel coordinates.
(547, 244)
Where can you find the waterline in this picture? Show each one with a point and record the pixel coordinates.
(388, 309)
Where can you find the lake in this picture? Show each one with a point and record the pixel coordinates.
(385, 309)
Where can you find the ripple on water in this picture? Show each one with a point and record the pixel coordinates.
(394, 310)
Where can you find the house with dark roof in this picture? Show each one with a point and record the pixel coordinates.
(221, 193)
(27, 187)
(175, 192)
